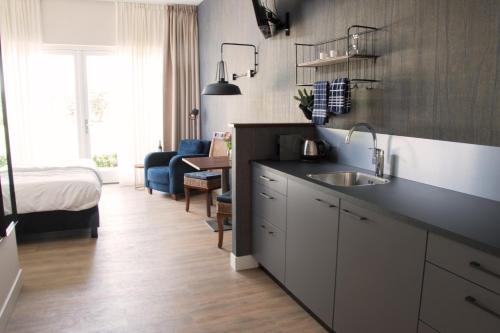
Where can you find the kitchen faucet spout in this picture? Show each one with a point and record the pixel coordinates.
(378, 154)
(369, 127)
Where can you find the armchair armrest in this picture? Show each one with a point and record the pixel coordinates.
(161, 158)
(177, 170)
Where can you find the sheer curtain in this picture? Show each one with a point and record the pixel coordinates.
(140, 39)
(181, 79)
(21, 36)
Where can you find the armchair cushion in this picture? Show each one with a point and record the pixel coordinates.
(188, 147)
(225, 197)
(159, 174)
(205, 175)
(177, 170)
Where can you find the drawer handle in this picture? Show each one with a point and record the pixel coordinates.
(357, 217)
(266, 196)
(474, 302)
(267, 179)
(325, 203)
(479, 267)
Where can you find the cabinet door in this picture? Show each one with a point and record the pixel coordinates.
(311, 248)
(258, 239)
(269, 248)
(379, 273)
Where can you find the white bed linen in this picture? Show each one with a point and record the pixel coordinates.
(41, 189)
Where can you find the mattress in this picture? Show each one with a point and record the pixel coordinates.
(40, 189)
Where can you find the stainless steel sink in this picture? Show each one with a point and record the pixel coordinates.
(348, 178)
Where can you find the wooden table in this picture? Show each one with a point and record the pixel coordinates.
(211, 163)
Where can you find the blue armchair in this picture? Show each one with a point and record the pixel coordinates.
(164, 171)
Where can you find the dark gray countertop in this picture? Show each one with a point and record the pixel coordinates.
(465, 218)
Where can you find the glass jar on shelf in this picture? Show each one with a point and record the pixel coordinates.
(354, 45)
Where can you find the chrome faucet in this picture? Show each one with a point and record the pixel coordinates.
(378, 154)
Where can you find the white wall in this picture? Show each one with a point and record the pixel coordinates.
(79, 22)
(462, 167)
(85, 22)
(10, 277)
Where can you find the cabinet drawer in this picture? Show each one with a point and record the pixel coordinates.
(269, 248)
(451, 304)
(472, 264)
(423, 328)
(269, 205)
(270, 179)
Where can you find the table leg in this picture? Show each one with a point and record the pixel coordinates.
(137, 184)
(225, 180)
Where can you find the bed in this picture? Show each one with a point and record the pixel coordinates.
(58, 198)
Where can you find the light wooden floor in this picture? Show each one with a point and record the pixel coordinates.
(154, 268)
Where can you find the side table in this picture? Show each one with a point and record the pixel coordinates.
(139, 167)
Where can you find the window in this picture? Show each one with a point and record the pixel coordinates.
(78, 99)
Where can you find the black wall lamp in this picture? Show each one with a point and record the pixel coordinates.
(222, 87)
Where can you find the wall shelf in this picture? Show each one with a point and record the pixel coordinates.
(336, 60)
(357, 62)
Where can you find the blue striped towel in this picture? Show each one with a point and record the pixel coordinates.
(339, 100)
(319, 114)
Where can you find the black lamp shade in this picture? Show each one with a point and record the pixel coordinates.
(221, 88)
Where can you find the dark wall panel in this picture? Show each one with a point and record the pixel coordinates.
(439, 65)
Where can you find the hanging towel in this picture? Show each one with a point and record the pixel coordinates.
(339, 100)
(319, 115)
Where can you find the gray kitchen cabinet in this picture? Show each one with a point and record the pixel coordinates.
(461, 288)
(452, 304)
(270, 179)
(269, 221)
(269, 248)
(311, 248)
(471, 264)
(269, 205)
(380, 266)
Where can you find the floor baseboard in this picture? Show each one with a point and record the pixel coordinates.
(243, 262)
(10, 302)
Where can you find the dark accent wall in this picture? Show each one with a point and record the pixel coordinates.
(439, 65)
(253, 143)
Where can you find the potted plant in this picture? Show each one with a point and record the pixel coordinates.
(306, 100)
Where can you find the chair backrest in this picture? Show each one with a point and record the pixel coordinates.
(218, 147)
(206, 146)
(187, 147)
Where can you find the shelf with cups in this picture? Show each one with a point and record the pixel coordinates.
(352, 56)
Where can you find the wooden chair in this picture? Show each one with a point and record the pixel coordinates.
(206, 181)
(224, 210)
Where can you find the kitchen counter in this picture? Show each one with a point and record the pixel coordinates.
(469, 219)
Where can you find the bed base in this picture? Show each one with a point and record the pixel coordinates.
(56, 221)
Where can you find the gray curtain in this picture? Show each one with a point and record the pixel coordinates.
(181, 73)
